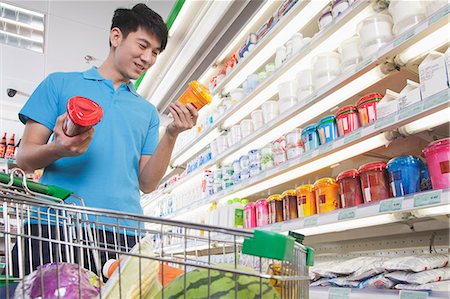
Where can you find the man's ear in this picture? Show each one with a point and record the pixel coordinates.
(115, 37)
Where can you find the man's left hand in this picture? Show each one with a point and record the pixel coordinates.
(184, 118)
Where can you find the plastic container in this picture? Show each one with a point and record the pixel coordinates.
(327, 129)
(257, 119)
(404, 175)
(374, 183)
(437, 155)
(339, 6)
(327, 195)
(275, 208)
(237, 94)
(196, 94)
(82, 114)
(287, 89)
(262, 212)
(326, 18)
(350, 52)
(246, 127)
(367, 108)
(310, 137)
(306, 201)
(294, 144)
(266, 158)
(279, 151)
(374, 32)
(425, 179)
(326, 63)
(252, 83)
(406, 14)
(349, 188)
(236, 213)
(236, 134)
(280, 57)
(250, 215)
(290, 204)
(270, 110)
(305, 84)
(347, 119)
(285, 104)
(297, 42)
(222, 143)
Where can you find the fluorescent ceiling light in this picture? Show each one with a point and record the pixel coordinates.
(22, 10)
(432, 41)
(36, 27)
(349, 224)
(296, 24)
(432, 211)
(337, 97)
(34, 40)
(341, 155)
(426, 123)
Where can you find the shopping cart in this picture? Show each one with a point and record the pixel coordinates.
(40, 230)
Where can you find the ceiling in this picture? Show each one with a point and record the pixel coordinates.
(74, 29)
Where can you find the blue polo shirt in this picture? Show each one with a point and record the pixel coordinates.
(106, 175)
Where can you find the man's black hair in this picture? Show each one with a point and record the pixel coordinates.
(129, 20)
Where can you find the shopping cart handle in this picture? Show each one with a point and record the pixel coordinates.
(270, 245)
(36, 187)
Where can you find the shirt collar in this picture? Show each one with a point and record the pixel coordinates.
(93, 74)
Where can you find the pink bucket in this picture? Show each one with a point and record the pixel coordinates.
(250, 215)
(437, 155)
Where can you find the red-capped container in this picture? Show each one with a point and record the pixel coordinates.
(347, 119)
(367, 108)
(437, 155)
(349, 188)
(374, 182)
(82, 114)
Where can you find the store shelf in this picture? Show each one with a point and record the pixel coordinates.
(345, 293)
(272, 177)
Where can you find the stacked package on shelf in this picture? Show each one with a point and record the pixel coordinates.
(419, 272)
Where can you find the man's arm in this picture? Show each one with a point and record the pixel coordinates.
(152, 168)
(34, 151)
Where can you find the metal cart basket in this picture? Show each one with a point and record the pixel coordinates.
(42, 228)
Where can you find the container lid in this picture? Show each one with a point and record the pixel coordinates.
(289, 193)
(326, 119)
(372, 166)
(83, 111)
(261, 201)
(403, 161)
(275, 197)
(346, 110)
(324, 182)
(445, 142)
(305, 188)
(371, 97)
(351, 173)
(311, 127)
(201, 91)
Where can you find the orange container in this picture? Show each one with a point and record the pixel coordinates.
(196, 94)
(327, 195)
(306, 201)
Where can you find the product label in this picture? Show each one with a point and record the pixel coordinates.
(327, 132)
(428, 198)
(238, 218)
(322, 199)
(303, 199)
(445, 167)
(367, 194)
(345, 124)
(310, 221)
(347, 214)
(339, 293)
(407, 294)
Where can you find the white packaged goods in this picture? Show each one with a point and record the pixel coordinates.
(369, 267)
(406, 14)
(379, 281)
(443, 286)
(410, 94)
(388, 104)
(374, 31)
(350, 52)
(420, 277)
(432, 74)
(417, 263)
(447, 64)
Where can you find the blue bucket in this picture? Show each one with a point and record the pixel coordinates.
(404, 175)
(310, 137)
(327, 129)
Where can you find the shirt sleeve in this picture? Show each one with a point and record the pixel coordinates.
(152, 140)
(42, 106)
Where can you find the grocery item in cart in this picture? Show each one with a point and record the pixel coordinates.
(290, 204)
(437, 155)
(196, 94)
(349, 188)
(327, 195)
(404, 175)
(347, 119)
(327, 129)
(310, 137)
(306, 200)
(275, 208)
(374, 183)
(367, 108)
(81, 115)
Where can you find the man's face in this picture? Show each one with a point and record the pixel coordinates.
(136, 53)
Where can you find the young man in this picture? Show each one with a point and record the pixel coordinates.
(109, 164)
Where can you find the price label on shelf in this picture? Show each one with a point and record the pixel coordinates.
(339, 293)
(428, 198)
(407, 294)
(385, 206)
(352, 136)
(403, 38)
(385, 121)
(410, 111)
(325, 148)
(437, 100)
(347, 214)
(397, 204)
(391, 205)
(307, 156)
(276, 227)
(363, 64)
(438, 15)
(310, 221)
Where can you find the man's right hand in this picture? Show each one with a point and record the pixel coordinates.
(66, 146)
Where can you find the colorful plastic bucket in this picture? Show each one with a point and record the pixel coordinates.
(350, 188)
(347, 120)
(437, 155)
(82, 114)
(310, 137)
(196, 94)
(306, 201)
(290, 204)
(327, 129)
(404, 175)
(275, 208)
(262, 212)
(250, 215)
(367, 108)
(327, 195)
(374, 184)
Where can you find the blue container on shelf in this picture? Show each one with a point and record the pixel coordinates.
(327, 129)
(310, 137)
(425, 179)
(404, 175)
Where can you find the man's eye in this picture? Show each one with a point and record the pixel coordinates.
(142, 46)
(155, 53)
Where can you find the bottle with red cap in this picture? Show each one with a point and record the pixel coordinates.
(9, 154)
(3, 146)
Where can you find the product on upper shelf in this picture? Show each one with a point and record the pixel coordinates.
(326, 67)
(347, 119)
(270, 110)
(327, 195)
(339, 6)
(350, 188)
(305, 84)
(196, 94)
(437, 155)
(262, 212)
(290, 204)
(9, 153)
(257, 119)
(279, 151)
(406, 14)
(267, 161)
(432, 74)
(374, 183)
(425, 179)
(275, 208)
(367, 108)
(237, 94)
(306, 200)
(280, 57)
(3, 146)
(310, 137)
(350, 52)
(374, 32)
(404, 175)
(82, 114)
(297, 42)
(409, 95)
(249, 214)
(327, 129)
(325, 18)
(294, 144)
(246, 127)
(287, 92)
(388, 104)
